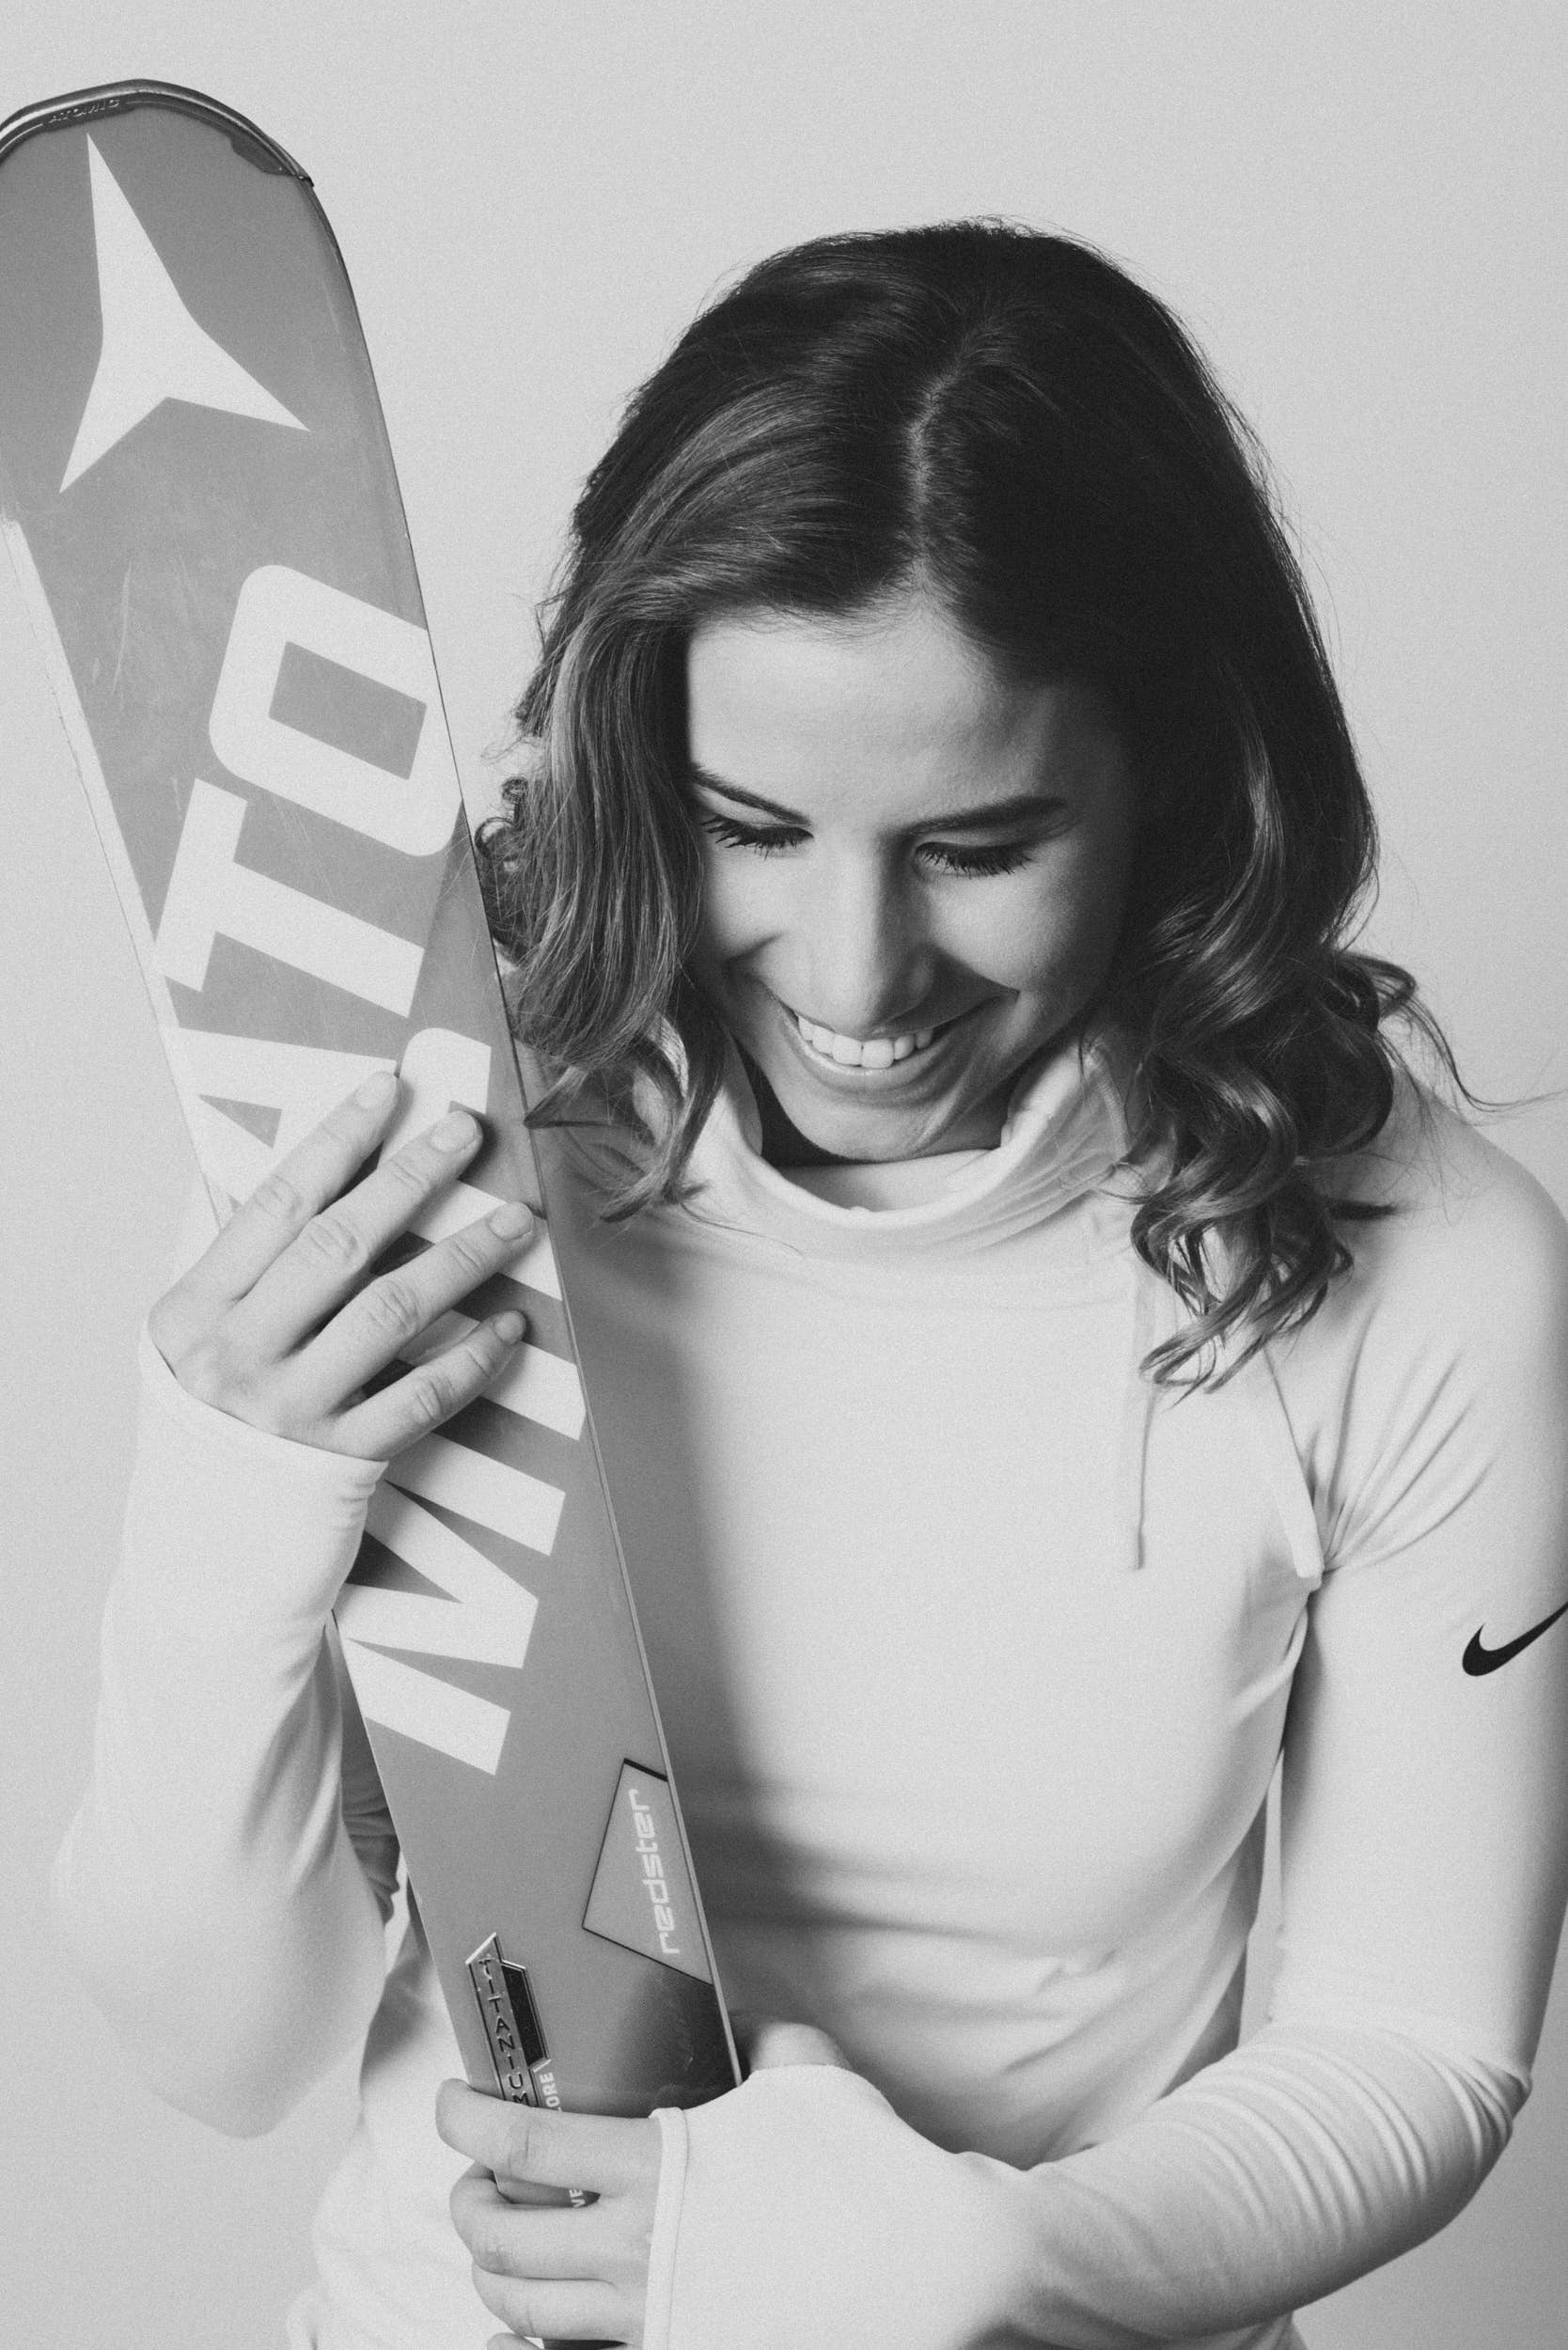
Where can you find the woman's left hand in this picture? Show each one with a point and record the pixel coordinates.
(571, 2272)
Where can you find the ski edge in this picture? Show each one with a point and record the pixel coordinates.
(76, 106)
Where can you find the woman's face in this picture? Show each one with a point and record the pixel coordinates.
(915, 870)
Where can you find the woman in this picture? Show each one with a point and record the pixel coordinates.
(1050, 1358)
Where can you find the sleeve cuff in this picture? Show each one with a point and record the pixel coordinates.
(800, 2208)
(248, 1449)
(666, 2222)
(230, 1517)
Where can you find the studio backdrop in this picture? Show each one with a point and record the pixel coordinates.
(1361, 216)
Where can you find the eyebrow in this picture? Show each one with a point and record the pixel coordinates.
(958, 820)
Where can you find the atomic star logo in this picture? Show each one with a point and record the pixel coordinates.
(152, 348)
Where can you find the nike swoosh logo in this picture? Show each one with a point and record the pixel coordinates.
(1477, 1658)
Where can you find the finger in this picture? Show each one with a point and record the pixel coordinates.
(599, 2152)
(331, 1255)
(524, 2193)
(776, 2045)
(302, 1182)
(389, 1318)
(539, 2240)
(558, 2312)
(400, 1414)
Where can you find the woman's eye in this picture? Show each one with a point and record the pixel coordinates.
(940, 856)
(943, 857)
(767, 840)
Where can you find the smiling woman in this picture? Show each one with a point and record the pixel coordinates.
(903, 524)
(940, 894)
(930, 891)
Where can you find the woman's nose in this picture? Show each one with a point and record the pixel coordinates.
(861, 948)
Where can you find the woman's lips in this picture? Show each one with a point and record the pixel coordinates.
(875, 1052)
(835, 1059)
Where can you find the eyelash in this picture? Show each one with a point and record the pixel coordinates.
(771, 841)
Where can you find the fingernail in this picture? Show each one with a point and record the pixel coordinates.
(510, 1328)
(510, 1220)
(376, 1090)
(452, 1131)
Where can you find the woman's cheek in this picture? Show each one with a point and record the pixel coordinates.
(741, 908)
(1091, 903)
(1036, 934)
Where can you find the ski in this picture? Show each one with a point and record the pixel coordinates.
(199, 498)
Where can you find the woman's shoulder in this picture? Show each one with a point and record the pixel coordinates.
(1450, 1194)
(1463, 1249)
(1440, 1356)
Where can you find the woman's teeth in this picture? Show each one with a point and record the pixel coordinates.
(853, 1052)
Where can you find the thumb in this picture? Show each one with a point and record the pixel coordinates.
(772, 2044)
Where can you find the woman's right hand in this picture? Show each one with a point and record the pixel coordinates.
(280, 1324)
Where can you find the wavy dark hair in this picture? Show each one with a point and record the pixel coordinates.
(1007, 422)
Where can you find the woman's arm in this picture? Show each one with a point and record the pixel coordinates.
(214, 1899)
(225, 1882)
(1425, 1847)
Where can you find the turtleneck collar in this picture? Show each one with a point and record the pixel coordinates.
(1066, 1129)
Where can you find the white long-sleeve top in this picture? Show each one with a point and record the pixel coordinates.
(976, 1657)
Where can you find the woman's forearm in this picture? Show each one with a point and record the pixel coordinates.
(801, 2208)
(211, 1894)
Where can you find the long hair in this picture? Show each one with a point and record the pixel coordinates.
(1008, 422)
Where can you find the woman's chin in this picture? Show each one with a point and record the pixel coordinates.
(804, 1124)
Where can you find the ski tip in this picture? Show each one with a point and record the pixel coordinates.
(114, 98)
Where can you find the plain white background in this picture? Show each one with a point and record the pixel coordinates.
(1360, 210)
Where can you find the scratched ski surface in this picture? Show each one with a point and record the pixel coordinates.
(197, 496)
